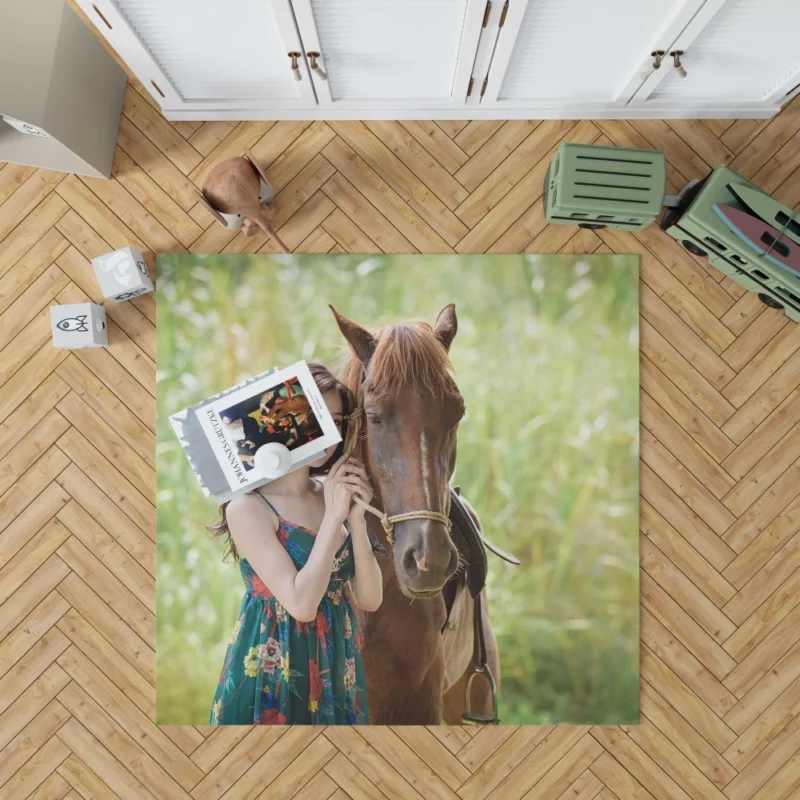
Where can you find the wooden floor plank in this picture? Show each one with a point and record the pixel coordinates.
(437, 143)
(144, 153)
(766, 616)
(30, 738)
(12, 176)
(684, 556)
(153, 198)
(137, 109)
(30, 267)
(496, 185)
(426, 168)
(402, 180)
(105, 657)
(681, 735)
(384, 198)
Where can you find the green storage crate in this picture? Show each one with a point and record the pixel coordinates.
(598, 187)
(701, 231)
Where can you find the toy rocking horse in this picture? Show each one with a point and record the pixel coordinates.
(238, 195)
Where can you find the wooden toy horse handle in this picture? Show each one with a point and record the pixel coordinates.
(214, 213)
(261, 219)
(257, 167)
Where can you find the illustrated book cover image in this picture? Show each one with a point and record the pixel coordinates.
(222, 435)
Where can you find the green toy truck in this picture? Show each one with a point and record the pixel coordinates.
(696, 225)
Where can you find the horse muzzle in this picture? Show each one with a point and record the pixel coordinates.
(426, 559)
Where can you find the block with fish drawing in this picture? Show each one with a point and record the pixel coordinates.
(122, 274)
(78, 325)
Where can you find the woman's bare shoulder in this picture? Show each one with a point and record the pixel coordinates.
(249, 508)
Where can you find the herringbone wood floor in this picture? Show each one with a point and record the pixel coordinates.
(720, 580)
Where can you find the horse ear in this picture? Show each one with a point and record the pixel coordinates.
(361, 341)
(446, 326)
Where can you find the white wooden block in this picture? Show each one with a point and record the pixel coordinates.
(122, 274)
(78, 325)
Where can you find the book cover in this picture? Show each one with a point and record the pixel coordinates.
(222, 434)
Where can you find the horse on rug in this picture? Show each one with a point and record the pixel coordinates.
(401, 377)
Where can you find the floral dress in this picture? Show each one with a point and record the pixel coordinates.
(279, 671)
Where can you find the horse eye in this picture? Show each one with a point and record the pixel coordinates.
(375, 419)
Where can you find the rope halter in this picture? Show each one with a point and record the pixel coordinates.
(388, 522)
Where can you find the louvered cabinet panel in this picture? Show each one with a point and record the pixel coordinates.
(577, 50)
(207, 53)
(390, 52)
(748, 52)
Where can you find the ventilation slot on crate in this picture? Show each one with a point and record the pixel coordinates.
(759, 274)
(598, 175)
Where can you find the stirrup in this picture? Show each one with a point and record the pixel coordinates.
(468, 718)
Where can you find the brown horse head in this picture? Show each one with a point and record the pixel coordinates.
(401, 377)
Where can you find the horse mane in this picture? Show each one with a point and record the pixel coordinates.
(406, 354)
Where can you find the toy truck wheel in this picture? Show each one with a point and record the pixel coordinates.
(592, 226)
(693, 248)
(769, 301)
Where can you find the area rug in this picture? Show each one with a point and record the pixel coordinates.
(539, 430)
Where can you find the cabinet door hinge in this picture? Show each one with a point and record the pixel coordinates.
(469, 88)
(503, 15)
(486, 13)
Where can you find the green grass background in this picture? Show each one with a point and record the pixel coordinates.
(546, 358)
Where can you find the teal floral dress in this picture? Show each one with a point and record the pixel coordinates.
(279, 671)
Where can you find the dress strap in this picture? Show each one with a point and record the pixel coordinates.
(274, 510)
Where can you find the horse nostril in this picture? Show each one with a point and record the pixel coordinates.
(410, 561)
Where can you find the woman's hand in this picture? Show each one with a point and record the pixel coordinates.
(362, 490)
(337, 491)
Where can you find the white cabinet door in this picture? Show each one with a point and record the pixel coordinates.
(735, 51)
(562, 54)
(206, 54)
(390, 54)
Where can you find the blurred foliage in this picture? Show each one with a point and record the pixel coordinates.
(546, 358)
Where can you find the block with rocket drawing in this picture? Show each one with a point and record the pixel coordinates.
(78, 325)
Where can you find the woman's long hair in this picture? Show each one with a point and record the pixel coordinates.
(326, 382)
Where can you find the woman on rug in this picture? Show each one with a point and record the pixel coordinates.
(295, 654)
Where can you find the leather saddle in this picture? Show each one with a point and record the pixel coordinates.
(472, 546)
